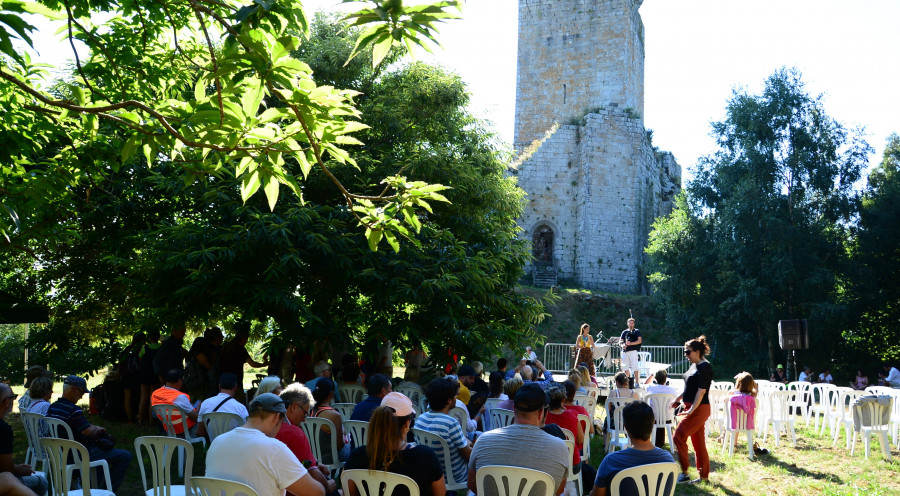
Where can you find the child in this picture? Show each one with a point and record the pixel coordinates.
(744, 399)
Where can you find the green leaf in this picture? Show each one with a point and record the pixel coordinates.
(374, 237)
(200, 90)
(271, 190)
(147, 153)
(249, 185)
(252, 98)
(381, 49)
(129, 149)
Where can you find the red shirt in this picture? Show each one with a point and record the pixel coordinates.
(567, 420)
(296, 441)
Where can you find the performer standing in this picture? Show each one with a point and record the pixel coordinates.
(631, 344)
(584, 345)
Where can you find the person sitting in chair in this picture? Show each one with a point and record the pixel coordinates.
(170, 394)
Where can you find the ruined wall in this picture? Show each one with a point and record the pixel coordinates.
(576, 56)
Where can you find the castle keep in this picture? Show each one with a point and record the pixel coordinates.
(594, 181)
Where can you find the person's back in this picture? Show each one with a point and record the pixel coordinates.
(449, 429)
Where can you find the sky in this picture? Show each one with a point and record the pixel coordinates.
(697, 53)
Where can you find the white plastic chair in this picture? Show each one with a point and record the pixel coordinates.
(351, 393)
(442, 449)
(822, 401)
(411, 392)
(58, 453)
(159, 449)
(571, 475)
(312, 426)
(654, 479)
(218, 423)
(462, 416)
(874, 412)
(513, 481)
(801, 400)
(643, 368)
(718, 403)
(584, 423)
(616, 427)
(487, 421)
(845, 418)
(170, 416)
(345, 409)
(501, 417)
(721, 386)
(59, 429)
(661, 403)
(209, 486)
(359, 431)
(370, 482)
(35, 456)
(740, 428)
(780, 416)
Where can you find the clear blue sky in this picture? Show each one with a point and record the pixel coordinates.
(697, 52)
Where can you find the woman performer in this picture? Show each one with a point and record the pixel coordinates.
(584, 344)
(697, 381)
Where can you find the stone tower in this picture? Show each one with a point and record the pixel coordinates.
(594, 181)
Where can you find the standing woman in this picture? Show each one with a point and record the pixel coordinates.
(584, 344)
(697, 381)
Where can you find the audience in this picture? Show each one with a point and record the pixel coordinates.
(298, 401)
(510, 387)
(322, 370)
(860, 382)
(806, 375)
(269, 384)
(94, 438)
(378, 387)
(743, 398)
(36, 481)
(826, 377)
(661, 386)
(567, 418)
(779, 375)
(441, 394)
(222, 402)
(323, 395)
(522, 444)
(638, 418)
(250, 454)
(170, 394)
(892, 376)
(33, 372)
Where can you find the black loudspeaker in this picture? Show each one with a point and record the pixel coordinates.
(793, 334)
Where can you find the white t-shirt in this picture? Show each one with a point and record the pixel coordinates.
(531, 355)
(804, 377)
(826, 378)
(249, 456)
(230, 406)
(893, 375)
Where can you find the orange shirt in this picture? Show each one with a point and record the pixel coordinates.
(168, 396)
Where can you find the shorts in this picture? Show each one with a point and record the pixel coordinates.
(630, 361)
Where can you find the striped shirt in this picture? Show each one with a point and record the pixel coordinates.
(448, 428)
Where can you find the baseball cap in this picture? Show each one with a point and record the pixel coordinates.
(780, 366)
(401, 404)
(268, 402)
(466, 370)
(80, 383)
(531, 398)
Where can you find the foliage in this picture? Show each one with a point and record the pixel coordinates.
(761, 235)
(873, 285)
(208, 86)
(12, 352)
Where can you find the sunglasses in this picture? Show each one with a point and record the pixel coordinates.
(688, 351)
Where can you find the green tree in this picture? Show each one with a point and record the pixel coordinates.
(766, 220)
(873, 284)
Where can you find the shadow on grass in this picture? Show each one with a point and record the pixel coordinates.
(793, 469)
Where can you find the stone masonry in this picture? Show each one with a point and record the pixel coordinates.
(595, 183)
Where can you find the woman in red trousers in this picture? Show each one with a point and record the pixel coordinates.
(697, 381)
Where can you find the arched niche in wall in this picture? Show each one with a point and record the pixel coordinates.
(542, 243)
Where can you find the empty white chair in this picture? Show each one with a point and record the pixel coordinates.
(371, 482)
(34, 425)
(345, 409)
(513, 481)
(800, 403)
(461, 415)
(210, 486)
(359, 431)
(58, 453)
(873, 420)
(845, 418)
(654, 479)
(218, 423)
(616, 427)
(501, 417)
(486, 421)
(312, 427)
(721, 386)
(663, 416)
(643, 371)
(822, 398)
(741, 426)
(588, 401)
(718, 403)
(442, 449)
(171, 416)
(780, 416)
(351, 393)
(571, 475)
(411, 392)
(584, 423)
(159, 450)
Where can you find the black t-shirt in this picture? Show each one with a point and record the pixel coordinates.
(417, 462)
(631, 336)
(6, 438)
(697, 377)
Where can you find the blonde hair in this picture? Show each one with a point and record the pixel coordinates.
(512, 385)
(744, 383)
(585, 375)
(268, 385)
(575, 377)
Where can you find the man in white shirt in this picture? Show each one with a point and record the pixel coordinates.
(826, 377)
(804, 376)
(250, 454)
(222, 402)
(893, 376)
(661, 386)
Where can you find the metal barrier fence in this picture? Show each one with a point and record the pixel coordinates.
(558, 358)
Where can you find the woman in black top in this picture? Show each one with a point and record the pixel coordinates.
(388, 450)
(697, 381)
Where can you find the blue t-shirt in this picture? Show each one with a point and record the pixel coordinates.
(363, 410)
(617, 461)
(64, 409)
(449, 429)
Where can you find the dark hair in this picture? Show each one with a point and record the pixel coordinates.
(495, 381)
(385, 430)
(502, 363)
(440, 391)
(638, 419)
(324, 387)
(698, 344)
(227, 381)
(350, 372)
(557, 394)
(377, 383)
(153, 335)
(212, 332)
(174, 375)
(570, 389)
(621, 378)
(661, 377)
